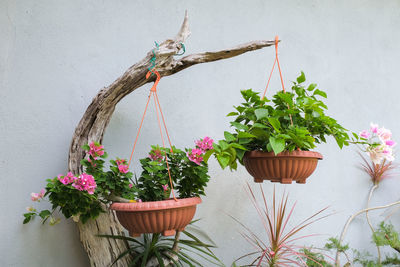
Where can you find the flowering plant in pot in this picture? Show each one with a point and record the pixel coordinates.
(83, 197)
(273, 138)
(154, 211)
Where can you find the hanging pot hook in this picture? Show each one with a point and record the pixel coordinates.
(154, 88)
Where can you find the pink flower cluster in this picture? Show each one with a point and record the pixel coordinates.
(67, 179)
(38, 196)
(96, 150)
(380, 146)
(85, 182)
(165, 187)
(122, 167)
(156, 155)
(203, 145)
(195, 155)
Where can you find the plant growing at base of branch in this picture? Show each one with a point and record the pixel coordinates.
(292, 120)
(163, 250)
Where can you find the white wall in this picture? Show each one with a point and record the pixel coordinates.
(56, 55)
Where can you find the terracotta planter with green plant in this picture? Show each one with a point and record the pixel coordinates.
(273, 138)
(154, 211)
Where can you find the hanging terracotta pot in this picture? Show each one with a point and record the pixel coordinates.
(164, 217)
(283, 168)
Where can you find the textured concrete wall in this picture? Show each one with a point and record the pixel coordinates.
(56, 55)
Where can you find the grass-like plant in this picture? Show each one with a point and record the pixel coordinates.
(279, 249)
(157, 250)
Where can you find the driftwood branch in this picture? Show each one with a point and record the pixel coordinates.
(97, 116)
(351, 218)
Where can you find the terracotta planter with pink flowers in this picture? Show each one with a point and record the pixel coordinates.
(165, 217)
(284, 168)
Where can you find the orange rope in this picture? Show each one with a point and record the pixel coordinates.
(162, 139)
(153, 92)
(140, 127)
(165, 126)
(280, 74)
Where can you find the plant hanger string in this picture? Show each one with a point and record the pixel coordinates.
(153, 92)
(280, 74)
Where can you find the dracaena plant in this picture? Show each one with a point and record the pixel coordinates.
(82, 197)
(293, 120)
(279, 248)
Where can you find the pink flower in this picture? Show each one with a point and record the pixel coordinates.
(30, 208)
(380, 153)
(121, 165)
(156, 155)
(123, 168)
(205, 144)
(374, 127)
(85, 182)
(365, 134)
(38, 196)
(165, 187)
(195, 155)
(139, 200)
(130, 185)
(67, 179)
(390, 143)
(384, 134)
(96, 150)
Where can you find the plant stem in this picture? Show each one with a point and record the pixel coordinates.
(368, 220)
(351, 219)
(175, 247)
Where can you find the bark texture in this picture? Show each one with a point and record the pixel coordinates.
(102, 251)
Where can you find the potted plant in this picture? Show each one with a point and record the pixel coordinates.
(154, 211)
(273, 138)
(142, 204)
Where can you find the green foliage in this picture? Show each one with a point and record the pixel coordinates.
(335, 244)
(290, 121)
(156, 246)
(386, 235)
(189, 178)
(314, 259)
(71, 201)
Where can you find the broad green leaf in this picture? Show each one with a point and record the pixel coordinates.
(239, 126)
(311, 87)
(238, 146)
(275, 123)
(224, 145)
(277, 144)
(261, 113)
(232, 114)
(319, 92)
(223, 160)
(245, 135)
(208, 154)
(301, 78)
(44, 213)
(229, 137)
(259, 125)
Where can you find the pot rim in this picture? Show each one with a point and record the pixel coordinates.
(284, 154)
(156, 205)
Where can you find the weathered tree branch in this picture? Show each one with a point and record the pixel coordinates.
(97, 116)
(351, 218)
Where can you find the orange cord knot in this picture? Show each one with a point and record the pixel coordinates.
(154, 88)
